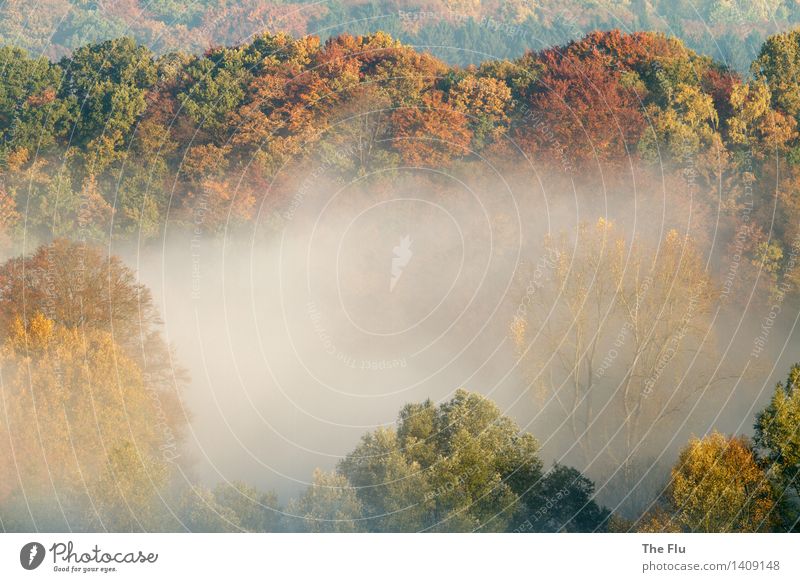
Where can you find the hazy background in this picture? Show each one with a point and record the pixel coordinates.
(297, 344)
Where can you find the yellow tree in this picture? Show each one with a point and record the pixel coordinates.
(70, 399)
(755, 122)
(683, 128)
(717, 486)
(485, 101)
(81, 288)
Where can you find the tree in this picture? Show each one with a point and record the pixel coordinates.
(756, 123)
(565, 502)
(777, 436)
(330, 504)
(229, 507)
(431, 134)
(85, 368)
(199, 511)
(486, 102)
(76, 286)
(778, 66)
(256, 511)
(79, 287)
(390, 487)
(463, 466)
(717, 486)
(285, 106)
(584, 110)
(355, 142)
(128, 496)
(106, 84)
(31, 115)
(213, 87)
(75, 405)
(684, 128)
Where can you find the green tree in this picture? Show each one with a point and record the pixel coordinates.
(778, 65)
(255, 511)
(214, 86)
(777, 435)
(106, 84)
(390, 487)
(199, 511)
(229, 507)
(463, 466)
(31, 115)
(564, 502)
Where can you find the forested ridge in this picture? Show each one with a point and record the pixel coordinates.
(113, 140)
(459, 31)
(115, 143)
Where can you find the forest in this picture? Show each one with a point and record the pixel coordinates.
(459, 32)
(635, 204)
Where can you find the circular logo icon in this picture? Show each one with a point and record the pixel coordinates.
(31, 555)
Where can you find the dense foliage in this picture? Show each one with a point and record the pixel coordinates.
(114, 140)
